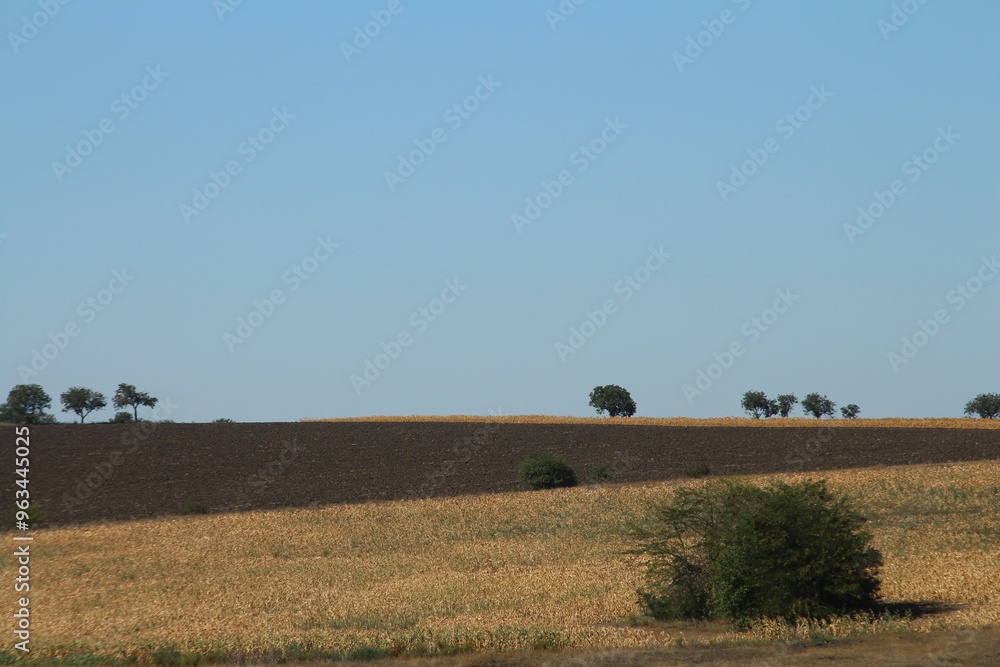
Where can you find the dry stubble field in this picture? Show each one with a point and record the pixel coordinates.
(501, 572)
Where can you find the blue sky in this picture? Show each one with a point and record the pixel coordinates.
(509, 204)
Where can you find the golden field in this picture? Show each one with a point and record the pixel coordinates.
(943, 422)
(496, 572)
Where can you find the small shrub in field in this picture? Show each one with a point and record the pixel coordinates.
(697, 470)
(600, 473)
(545, 471)
(193, 507)
(37, 516)
(121, 417)
(739, 552)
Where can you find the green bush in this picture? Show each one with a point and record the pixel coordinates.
(37, 516)
(545, 471)
(122, 417)
(600, 473)
(193, 507)
(738, 552)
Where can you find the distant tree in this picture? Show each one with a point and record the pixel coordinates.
(616, 401)
(756, 404)
(128, 396)
(222, 420)
(817, 405)
(26, 404)
(785, 403)
(82, 401)
(850, 411)
(986, 406)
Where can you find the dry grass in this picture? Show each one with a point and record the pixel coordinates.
(944, 422)
(494, 572)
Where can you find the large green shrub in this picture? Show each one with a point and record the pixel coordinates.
(734, 551)
(545, 471)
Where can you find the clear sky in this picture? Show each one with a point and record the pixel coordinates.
(241, 206)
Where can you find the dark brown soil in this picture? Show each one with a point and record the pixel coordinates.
(84, 473)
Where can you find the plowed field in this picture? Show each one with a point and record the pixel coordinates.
(113, 472)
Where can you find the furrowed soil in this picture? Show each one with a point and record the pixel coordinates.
(88, 473)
